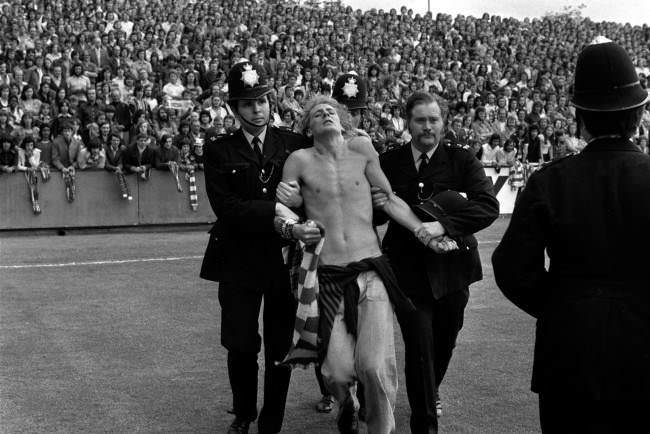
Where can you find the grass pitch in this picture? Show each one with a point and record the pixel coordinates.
(107, 342)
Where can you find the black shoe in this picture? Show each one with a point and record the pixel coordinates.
(348, 420)
(239, 426)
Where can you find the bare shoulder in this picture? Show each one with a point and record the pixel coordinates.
(362, 145)
(299, 156)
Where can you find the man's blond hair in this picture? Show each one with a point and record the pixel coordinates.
(344, 116)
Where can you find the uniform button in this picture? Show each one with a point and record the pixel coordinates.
(264, 190)
(234, 171)
(421, 185)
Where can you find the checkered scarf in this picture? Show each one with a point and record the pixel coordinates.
(194, 197)
(304, 281)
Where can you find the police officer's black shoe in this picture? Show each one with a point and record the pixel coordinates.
(239, 426)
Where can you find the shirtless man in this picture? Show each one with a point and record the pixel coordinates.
(356, 284)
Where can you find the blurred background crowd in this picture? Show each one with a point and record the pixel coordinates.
(90, 84)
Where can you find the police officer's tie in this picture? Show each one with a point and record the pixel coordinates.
(424, 162)
(257, 148)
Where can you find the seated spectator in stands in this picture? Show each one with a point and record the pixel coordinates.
(547, 143)
(114, 152)
(77, 83)
(44, 144)
(139, 158)
(476, 148)
(288, 120)
(29, 157)
(559, 144)
(91, 156)
(490, 151)
(29, 103)
(166, 153)
(196, 134)
(574, 143)
(205, 120)
(26, 127)
(216, 108)
(8, 155)
(390, 140)
(481, 127)
(15, 112)
(121, 115)
(229, 124)
(65, 149)
(187, 158)
(399, 123)
(456, 134)
(162, 124)
(92, 132)
(64, 116)
(174, 88)
(532, 148)
(508, 155)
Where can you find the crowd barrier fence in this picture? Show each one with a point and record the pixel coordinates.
(99, 202)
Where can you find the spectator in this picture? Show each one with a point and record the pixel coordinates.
(8, 155)
(139, 158)
(78, 83)
(166, 153)
(174, 88)
(481, 127)
(65, 149)
(91, 157)
(114, 152)
(44, 144)
(491, 150)
(29, 157)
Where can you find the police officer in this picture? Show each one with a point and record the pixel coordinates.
(244, 253)
(590, 213)
(352, 91)
(437, 283)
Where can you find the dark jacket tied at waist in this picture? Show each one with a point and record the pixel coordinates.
(340, 282)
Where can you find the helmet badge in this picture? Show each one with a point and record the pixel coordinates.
(249, 76)
(350, 89)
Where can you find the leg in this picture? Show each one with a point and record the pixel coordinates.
(326, 402)
(239, 324)
(338, 366)
(279, 319)
(339, 374)
(375, 354)
(448, 314)
(417, 332)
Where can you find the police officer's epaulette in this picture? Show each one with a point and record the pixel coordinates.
(455, 146)
(545, 166)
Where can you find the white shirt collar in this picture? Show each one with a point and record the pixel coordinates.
(249, 138)
(416, 154)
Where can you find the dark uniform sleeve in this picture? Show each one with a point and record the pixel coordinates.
(483, 206)
(518, 261)
(239, 214)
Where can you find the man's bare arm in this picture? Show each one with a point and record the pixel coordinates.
(395, 207)
(288, 226)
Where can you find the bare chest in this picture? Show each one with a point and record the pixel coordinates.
(340, 178)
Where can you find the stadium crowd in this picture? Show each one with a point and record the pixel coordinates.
(133, 85)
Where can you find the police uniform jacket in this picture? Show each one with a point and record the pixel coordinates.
(418, 268)
(591, 214)
(243, 244)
